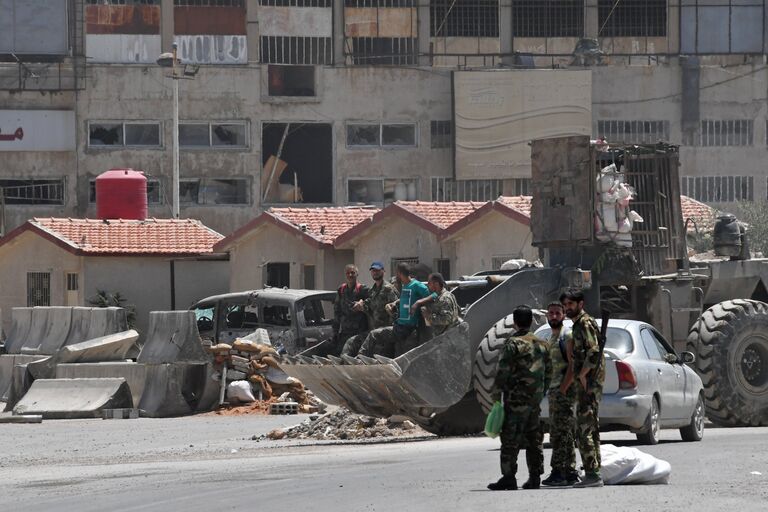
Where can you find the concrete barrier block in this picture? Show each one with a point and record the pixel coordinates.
(7, 362)
(172, 337)
(135, 374)
(21, 322)
(112, 347)
(74, 398)
(49, 330)
(178, 389)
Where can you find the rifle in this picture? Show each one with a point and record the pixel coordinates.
(605, 315)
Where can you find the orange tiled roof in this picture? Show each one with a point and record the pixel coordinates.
(149, 236)
(519, 203)
(703, 215)
(441, 214)
(324, 224)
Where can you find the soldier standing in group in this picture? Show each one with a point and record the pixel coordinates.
(348, 322)
(521, 380)
(440, 310)
(562, 423)
(379, 295)
(589, 372)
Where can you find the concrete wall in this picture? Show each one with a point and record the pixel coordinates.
(490, 236)
(31, 253)
(197, 279)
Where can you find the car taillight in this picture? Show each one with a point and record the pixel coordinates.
(627, 378)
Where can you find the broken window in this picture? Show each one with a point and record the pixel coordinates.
(441, 134)
(291, 80)
(732, 132)
(154, 192)
(121, 134)
(633, 132)
(718, 189)
(214, 191)
(381, 192)
(232, 134)
(279, 276)
(297, 160)
(38, 289)
(384, 51)
(547, 18)
(296, 50)
(39, 191)
(211, 3)
(464, 18)
(449, 189)
(384, 135)
(632, 18)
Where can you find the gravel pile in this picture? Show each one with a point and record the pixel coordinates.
(342, 424)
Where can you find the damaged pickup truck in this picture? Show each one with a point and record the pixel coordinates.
(294, 319)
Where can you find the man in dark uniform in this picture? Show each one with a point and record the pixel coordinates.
(348, 322)
(521, 380)
(374, 306)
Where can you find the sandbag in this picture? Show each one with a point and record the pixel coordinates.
(240, 390)
(221, 348)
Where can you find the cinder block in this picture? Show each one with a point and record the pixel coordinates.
(120, 414)
(284, 408)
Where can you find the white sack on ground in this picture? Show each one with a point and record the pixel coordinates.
(625, 465)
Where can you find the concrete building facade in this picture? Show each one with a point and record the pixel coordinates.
(355, 97)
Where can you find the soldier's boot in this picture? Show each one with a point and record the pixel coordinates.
(533, 482)
(505, 483)
(556, 479)
(572, 477)
(591, 479)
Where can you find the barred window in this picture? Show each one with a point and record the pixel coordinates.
(379, 3)
(210, 3)
(384, 51)
(464, 18)
(449, 189)
(39, 191)
(441, 134)
(718, 189)
(731, 132)
(634, 132)
(521, 187)
(547, 18)
(122, 2)
(632, 18)
(296, 50)
(38, 289)
(297, 3)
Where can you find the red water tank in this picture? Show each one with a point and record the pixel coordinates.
(121, 194)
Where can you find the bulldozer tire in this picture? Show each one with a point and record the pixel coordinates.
(487, 361)
(462, 418)
(730, 340)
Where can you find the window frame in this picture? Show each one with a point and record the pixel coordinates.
(217, 147)
(59, 181)
(122, 124)
(381, 125)
(200, 181)
(384, 201)
(150, 180)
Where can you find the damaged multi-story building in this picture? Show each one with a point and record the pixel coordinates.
(349, 102)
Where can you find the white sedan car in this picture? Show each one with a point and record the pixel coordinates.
(647, 384)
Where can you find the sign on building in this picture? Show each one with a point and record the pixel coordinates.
(37, 130)
(497, 113)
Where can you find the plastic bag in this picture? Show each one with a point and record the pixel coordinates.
(495, 420)
(240, 390)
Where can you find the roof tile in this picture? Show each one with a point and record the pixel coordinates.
(324, 224)
(441, 214)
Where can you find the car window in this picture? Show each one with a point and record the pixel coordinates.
(316, 311)
(234, 317)
(662, 344)
(277, 315)
(618, 340)
(651, 346)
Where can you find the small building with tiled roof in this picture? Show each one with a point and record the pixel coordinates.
(292, 247)
(155, 264)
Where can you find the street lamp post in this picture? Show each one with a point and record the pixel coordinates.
(170, 59)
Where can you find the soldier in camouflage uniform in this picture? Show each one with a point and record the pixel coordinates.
(379, 295)
(589, 372)
(439, 309)
(346, 321)
(521, 380)
(562, 422)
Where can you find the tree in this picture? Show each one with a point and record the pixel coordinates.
(755, 215)
(105, 299)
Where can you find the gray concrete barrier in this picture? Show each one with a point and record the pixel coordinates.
(7, 362)
(90, 323)
(74, 398)
(21, 321)
(172, 337)
(49, 330)
(178, 389)
(112, 347)
(135, 374)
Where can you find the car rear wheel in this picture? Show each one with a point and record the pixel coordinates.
(650, 434)
(695, 431)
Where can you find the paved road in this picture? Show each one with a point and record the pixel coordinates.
(189, 464)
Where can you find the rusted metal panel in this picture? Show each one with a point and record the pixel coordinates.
(122, 19)
(210, 49)
(380, 22)
(123, 48)
(222, 20)
(295, 21)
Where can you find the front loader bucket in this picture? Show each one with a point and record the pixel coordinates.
(432, 376)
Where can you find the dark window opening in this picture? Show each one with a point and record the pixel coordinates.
(297, 3)
(363, 135)
(72, 284)
(443, 266)
(464, 18)
(632, 18)
(383, 51)
(441, 134)
(212, 191)
(32, 191)
(291, 80)
(380, 192)
(306, 172)
(309, 277)
(38, 289)
(379, 3)
(547, 18)
(105, 135)
(279, 276)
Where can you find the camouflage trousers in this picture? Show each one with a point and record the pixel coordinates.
(562, 428)
(588, 427)
(521, 430)
(353, 344)
(390, 341)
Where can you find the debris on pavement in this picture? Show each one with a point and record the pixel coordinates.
(345, 425)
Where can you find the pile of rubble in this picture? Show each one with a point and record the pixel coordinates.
(342, 424)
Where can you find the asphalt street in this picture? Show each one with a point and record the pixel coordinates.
(212, 464)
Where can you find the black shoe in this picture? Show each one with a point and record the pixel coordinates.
(533, 482)
(554, 476)
(505, 483)
(572, 477)
(591, 479)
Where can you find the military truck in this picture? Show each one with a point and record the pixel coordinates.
(716, 308)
